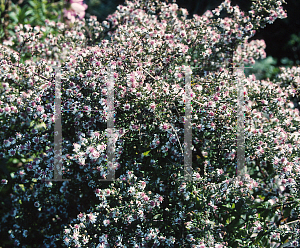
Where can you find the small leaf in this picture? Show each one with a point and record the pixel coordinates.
(22, 187)
(287, 212)
(29, 12)
(239, 206)
(233, 224)
(41, 125)
(13, 16)
(31, 124)
(259, 236)
(15, 161)
(156, 216)
(146, 153)
(32, 3)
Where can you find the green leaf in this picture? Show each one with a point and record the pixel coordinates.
(43, 7)
(233, 224)
(13, 16)
(22, 14)
(32, 3)
(15, 161)
(265, 213)
(29, 12)
(41, 126)
(22, 187)
(156, 216)
(239, 205)
(259, 236)
(146, 153)
(287, 211)
(31, 124)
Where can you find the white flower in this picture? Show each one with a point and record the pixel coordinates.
(101, 147)
(81, 217)
(142, 185)
(196, 176)
(48, 184)
(126, 106)
(106, 222)
(92, 218)
(94, 155)
(272, 201)
(76, 147)
(4, 181)
(81, 161)
(131, 190)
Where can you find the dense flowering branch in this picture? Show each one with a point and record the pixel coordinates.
(150, 45)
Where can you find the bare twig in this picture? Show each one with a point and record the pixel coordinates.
(292, 222)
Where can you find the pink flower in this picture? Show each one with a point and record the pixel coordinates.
(165, 126)
(106, 222)
(152, 105)
(77, 8)
(126, 106)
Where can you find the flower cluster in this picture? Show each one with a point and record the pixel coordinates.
(150, 46)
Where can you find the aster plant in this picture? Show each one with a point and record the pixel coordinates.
(150, 204)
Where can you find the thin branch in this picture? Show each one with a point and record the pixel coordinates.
(279, 205)
(292, 222)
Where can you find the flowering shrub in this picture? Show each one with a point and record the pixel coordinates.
(149, 204)
(290, 78)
